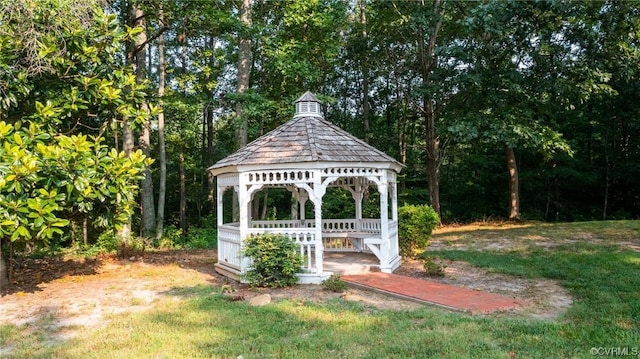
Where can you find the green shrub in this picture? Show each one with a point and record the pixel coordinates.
(275, 260)
(431, 267)
(202, 238)
(334, 284)
(133, 246)
(171, 238)
(108, 241)
(415, 224)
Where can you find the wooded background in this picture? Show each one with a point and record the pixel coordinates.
(498, 109)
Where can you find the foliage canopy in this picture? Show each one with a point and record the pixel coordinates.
(63, 89)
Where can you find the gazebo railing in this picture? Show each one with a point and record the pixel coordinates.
(229, 245)
(339, 225)
(283, 224)
(367, 225)
(393, 236)
(341, 235)
(338, 235)
(370, 225)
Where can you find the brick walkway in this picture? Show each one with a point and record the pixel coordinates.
(443, 295)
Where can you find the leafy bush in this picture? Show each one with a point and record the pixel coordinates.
(431, 267)
(202, 238)
(171, 238)
(197, 238)
(415, 224)
(107, 241)
(275, 260)
(133, 246)
(334, 284)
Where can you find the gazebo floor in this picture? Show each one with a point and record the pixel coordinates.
(344, 263)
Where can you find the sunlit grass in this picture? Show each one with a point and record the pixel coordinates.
(593, 260)
(206, 325)
(35, 340)
(210, 326)
(480, 234)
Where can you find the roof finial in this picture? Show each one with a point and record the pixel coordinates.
(308, 105)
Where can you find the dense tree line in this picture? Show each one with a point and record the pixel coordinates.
(498, 109)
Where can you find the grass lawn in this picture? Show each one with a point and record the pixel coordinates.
(592, 260)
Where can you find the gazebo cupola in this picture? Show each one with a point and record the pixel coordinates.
(308, 105)
(307, 155)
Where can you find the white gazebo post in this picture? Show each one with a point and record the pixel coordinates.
(219, 208)
(243, 224)
(383, 188)
(316, 196)
(358, 195)
(303, 197)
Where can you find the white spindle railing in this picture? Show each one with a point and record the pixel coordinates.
(339, 225)
(393, 236)
(229, 245)
(283, 224)
(370, 225)
(279, 177)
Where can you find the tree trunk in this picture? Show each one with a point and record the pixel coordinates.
(124, 233)
(244, 69)
(183, 195)
(365, 71)
(295, 206)
(4, 266)
(244, 72)
(401, 106)
(433, 157)
(181, 166)
(265, 202)
(85, 230)
(146, 188)
(514, 192)
(426, 53)
(211, 189)
(255, 206)
(208, 152)
(162, 153)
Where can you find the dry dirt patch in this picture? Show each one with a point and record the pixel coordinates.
(71, 297)
(78, 296)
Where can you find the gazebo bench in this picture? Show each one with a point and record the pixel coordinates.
(349, 241)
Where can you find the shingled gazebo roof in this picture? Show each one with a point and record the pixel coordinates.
(305, 138)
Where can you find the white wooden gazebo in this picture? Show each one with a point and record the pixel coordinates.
(307, 155)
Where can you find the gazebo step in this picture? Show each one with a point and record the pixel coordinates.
(343, 263)
(227, 272)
